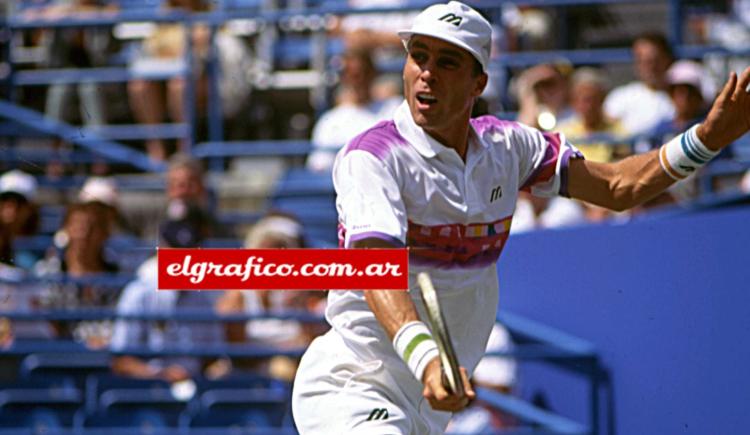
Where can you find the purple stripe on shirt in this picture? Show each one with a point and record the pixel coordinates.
(376, 235)
(487, 122)
(548, 162)
(378, 140)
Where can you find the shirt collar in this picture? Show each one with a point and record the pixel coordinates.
(425, 144)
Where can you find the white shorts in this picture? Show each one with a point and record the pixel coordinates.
(336, 392)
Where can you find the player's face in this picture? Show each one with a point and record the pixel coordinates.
(440, 85)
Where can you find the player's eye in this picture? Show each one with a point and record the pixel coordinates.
(418, 56)
(448, 63)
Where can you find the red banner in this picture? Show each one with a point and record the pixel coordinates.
(283, 269)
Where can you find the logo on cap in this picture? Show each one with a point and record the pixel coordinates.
(451, 18)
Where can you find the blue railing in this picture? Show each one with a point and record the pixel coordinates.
(536, 342)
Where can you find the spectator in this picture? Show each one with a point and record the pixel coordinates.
(75, 48)
(186, 226)
(19, 216)
(641, 104)
(355, 111)
(598, 137)
(373, 31)
(542, 93)
(273, 231)
(103, 192)
(184, 182)
(71, 47)
(729, 29)
(542, 96)
(534, 213)
(164, 50)
(78, 252)
(685, 80)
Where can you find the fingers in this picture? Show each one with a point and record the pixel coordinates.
(744, 83)
(442, 400)
(468, 388)
(728, 87)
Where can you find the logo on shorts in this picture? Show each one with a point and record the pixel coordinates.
(378, 414)
(451, 18)
(496, 193)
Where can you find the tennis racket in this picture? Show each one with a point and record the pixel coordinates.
(451, 374)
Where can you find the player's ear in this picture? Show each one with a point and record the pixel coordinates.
(481, 83)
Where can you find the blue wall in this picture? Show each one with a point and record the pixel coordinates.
(667, 303)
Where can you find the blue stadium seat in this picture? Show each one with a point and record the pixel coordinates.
(147, 420)
(112, 394)
(241, 381)
(73, 365)
(305, 183)
(40, 403)
(311, 198)
(240, 408)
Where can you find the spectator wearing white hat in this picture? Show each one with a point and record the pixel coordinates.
(688, 91)
(19, 216)
(274, 231)
(103, 193)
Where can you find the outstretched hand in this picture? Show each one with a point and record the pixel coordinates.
(729, 117)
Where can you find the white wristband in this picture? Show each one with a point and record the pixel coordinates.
(414, 344)
(684, 154)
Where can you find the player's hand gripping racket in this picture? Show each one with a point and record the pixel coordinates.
(451, 375)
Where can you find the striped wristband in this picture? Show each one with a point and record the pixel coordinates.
(414, 344)
(684, 154)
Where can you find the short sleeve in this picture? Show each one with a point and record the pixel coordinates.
(368, 199)
(544, 159)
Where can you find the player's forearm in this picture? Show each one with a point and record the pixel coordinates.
(619, 186)
(392, 308)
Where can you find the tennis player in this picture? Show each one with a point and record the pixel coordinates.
(446, 186)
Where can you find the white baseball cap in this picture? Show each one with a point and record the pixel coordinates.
(19, 182)
(99, 189)
(687, 72)
(458, 24)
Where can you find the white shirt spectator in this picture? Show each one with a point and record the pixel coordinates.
(338, 126)
(638, 107)
(560, 212)
(272, 332)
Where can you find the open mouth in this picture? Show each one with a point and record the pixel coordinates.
(424, 98)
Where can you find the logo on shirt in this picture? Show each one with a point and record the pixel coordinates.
(378, 414)
(451, 18)
(496, 193)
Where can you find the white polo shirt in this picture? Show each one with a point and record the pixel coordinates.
(396, 183)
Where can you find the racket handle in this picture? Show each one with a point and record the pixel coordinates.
(446, 384)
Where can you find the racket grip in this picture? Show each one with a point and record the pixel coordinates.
(446, 384)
